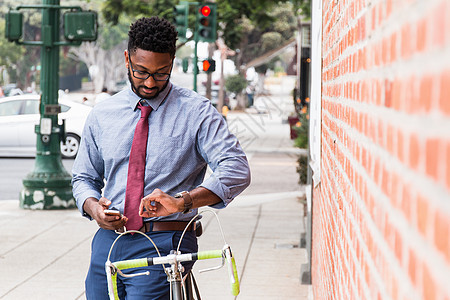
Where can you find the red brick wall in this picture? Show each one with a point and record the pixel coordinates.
(381, 213)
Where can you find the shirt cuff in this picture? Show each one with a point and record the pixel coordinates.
(219, 189)
(82, 198)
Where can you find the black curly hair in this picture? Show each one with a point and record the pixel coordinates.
(152, 34)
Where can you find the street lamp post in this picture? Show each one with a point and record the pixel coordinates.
(48, 186)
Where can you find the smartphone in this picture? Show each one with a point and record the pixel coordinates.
(111, 212)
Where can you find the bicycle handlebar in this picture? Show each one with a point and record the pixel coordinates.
(112, 269)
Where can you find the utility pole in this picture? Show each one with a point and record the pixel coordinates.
(211, 47)
(48, 186)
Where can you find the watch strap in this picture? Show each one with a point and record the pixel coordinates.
(187, 200)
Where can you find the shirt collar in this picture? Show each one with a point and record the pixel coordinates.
(155, 103)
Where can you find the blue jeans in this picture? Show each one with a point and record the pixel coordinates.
(154, 286)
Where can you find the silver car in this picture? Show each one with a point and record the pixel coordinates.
(20, 114)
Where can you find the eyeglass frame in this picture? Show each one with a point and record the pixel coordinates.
(149, 74)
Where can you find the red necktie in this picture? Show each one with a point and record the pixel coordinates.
(136, 171)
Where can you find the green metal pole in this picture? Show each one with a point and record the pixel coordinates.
(196, 4)
(195, 60)
(49, 185)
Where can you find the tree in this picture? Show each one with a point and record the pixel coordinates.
(113, 9)
(236, 84)
(104, 58)
(21, 61)
(246, 26)
(10, 55)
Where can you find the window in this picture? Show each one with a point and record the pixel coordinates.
(64, 108)
(31, 107)
(10, 108)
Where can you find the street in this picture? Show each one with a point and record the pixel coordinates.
(13, 170)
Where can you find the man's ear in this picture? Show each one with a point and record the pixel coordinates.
(125, 53)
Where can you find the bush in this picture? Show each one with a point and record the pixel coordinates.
(302, 169)
(302, 129)
(235, 83)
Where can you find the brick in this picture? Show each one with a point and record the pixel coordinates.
(386, 182)
(400, 146)
(409, 200)
(444, 93)
(438, 29)
(423, 220)
(429, 285)
(387, 93)
(426, 97)
(412, 267)
(396, 190)
(433, 158)
(442, 233)
(396, 94)
(393, 47)
(410, 96)
(391, 142)
(447, 159)
(406, 41)
(421, 39)
(414, 151)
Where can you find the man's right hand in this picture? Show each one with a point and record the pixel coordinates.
(95, 208)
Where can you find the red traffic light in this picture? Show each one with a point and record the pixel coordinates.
(209, 65)
(206, 65)
(205, 10)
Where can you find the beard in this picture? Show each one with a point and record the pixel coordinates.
(135, 88)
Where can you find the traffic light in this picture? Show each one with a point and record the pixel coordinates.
(13, 28)
(181, 12)
(209, 65)
(207, 22)
(80, 25)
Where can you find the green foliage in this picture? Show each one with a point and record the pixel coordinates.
(10, 53)
(302, 132)
(259, 37)
(113, 9)
(253, 27)
(302, 169)
(235, 83)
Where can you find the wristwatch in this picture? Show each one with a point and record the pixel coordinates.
(187, 200)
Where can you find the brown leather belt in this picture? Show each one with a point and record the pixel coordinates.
(164, 226)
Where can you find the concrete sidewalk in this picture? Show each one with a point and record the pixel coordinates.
(45, 254)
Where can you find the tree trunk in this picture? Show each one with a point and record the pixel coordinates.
(106, 67)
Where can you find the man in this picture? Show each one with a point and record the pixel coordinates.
(102, 96)
(185, 134)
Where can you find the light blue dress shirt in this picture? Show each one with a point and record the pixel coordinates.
(186, 133)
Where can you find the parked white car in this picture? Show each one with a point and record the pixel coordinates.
(20, 114)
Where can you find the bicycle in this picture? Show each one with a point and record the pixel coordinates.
(180, 288)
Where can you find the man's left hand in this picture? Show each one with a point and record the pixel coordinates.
(159, 204)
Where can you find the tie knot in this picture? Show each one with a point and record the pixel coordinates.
(145, 110)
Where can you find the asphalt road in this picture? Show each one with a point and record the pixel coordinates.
(14, 170)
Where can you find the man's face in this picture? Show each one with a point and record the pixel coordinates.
(142, 63)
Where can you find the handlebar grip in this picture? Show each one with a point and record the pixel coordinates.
(132, 263)
(209, 254)
(235, 285)
(232, 272)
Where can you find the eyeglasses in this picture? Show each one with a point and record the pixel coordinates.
(144, 75)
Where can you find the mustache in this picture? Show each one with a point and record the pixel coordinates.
(144, 87)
